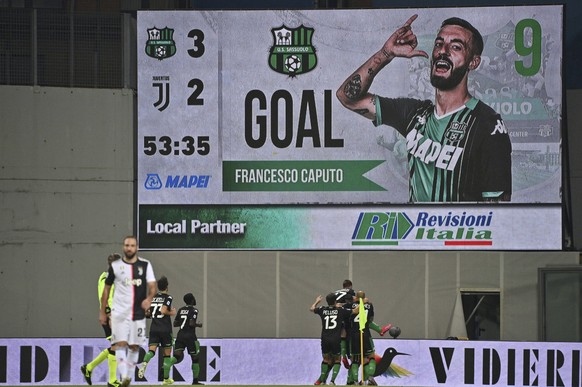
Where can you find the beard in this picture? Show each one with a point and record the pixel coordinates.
(442, 83)
(128, 255)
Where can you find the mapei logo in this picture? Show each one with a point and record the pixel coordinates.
(292, 52)
(160, 43)
(153, 181)
(381, 228)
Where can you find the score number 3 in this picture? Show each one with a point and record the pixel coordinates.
(532, 48)
(197, 51)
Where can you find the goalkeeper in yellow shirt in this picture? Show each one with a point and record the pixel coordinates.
(108, 353)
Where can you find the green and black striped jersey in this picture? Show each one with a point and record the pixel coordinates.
(462, 156)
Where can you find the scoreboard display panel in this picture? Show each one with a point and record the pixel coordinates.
(287, 130)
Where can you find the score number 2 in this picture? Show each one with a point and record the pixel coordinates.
(532, 47)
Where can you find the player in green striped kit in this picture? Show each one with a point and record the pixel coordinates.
(458, 147)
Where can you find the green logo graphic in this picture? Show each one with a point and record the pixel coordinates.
(292, 52)
(381, 228)
(456, 131)
(160, 43)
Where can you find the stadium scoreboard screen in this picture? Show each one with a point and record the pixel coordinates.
(242, 143)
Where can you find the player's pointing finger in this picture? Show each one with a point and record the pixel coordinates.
(410, 20)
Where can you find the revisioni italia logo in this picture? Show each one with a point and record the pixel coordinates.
(450, 229)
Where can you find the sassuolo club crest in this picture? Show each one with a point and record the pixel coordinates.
(160, 43)
(292, 52)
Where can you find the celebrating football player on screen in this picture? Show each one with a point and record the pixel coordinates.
(458, 147)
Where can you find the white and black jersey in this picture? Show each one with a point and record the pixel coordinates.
(131, 287)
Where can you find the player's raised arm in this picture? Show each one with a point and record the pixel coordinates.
(353, 92)
(315, 303)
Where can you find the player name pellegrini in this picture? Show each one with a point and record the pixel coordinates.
(195, 226)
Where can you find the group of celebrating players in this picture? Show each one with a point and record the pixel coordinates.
(345, 333)
(340, 335)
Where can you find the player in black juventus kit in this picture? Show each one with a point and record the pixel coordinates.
(458, 147)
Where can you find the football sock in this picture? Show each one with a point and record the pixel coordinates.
(121, 356)
(324, 372)
(98, 360)
(195, 370)
(148, 356)
(327, 372)
(177, 358)
(167, 366)
(335, 370)
(354, 371)
(375, 327)
(370, 369)
(112, 363)
(132, 357)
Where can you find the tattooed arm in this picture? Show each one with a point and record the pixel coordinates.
(353, 93)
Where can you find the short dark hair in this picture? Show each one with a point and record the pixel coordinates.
(330, 298)
(189, 299)
(163, 283)
(477, 40)
(347, 283)
(112, 258)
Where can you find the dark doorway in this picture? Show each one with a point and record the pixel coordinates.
(482, 319)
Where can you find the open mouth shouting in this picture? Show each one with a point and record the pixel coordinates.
(442, 65)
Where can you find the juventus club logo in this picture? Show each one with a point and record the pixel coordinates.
(162, 83)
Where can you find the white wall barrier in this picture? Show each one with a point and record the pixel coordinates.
(297, 362)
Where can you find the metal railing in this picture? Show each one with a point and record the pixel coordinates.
(48, 47)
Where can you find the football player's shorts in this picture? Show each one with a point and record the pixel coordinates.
(128, 330)
(330, 347)
(161, 339)
(186, 341)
